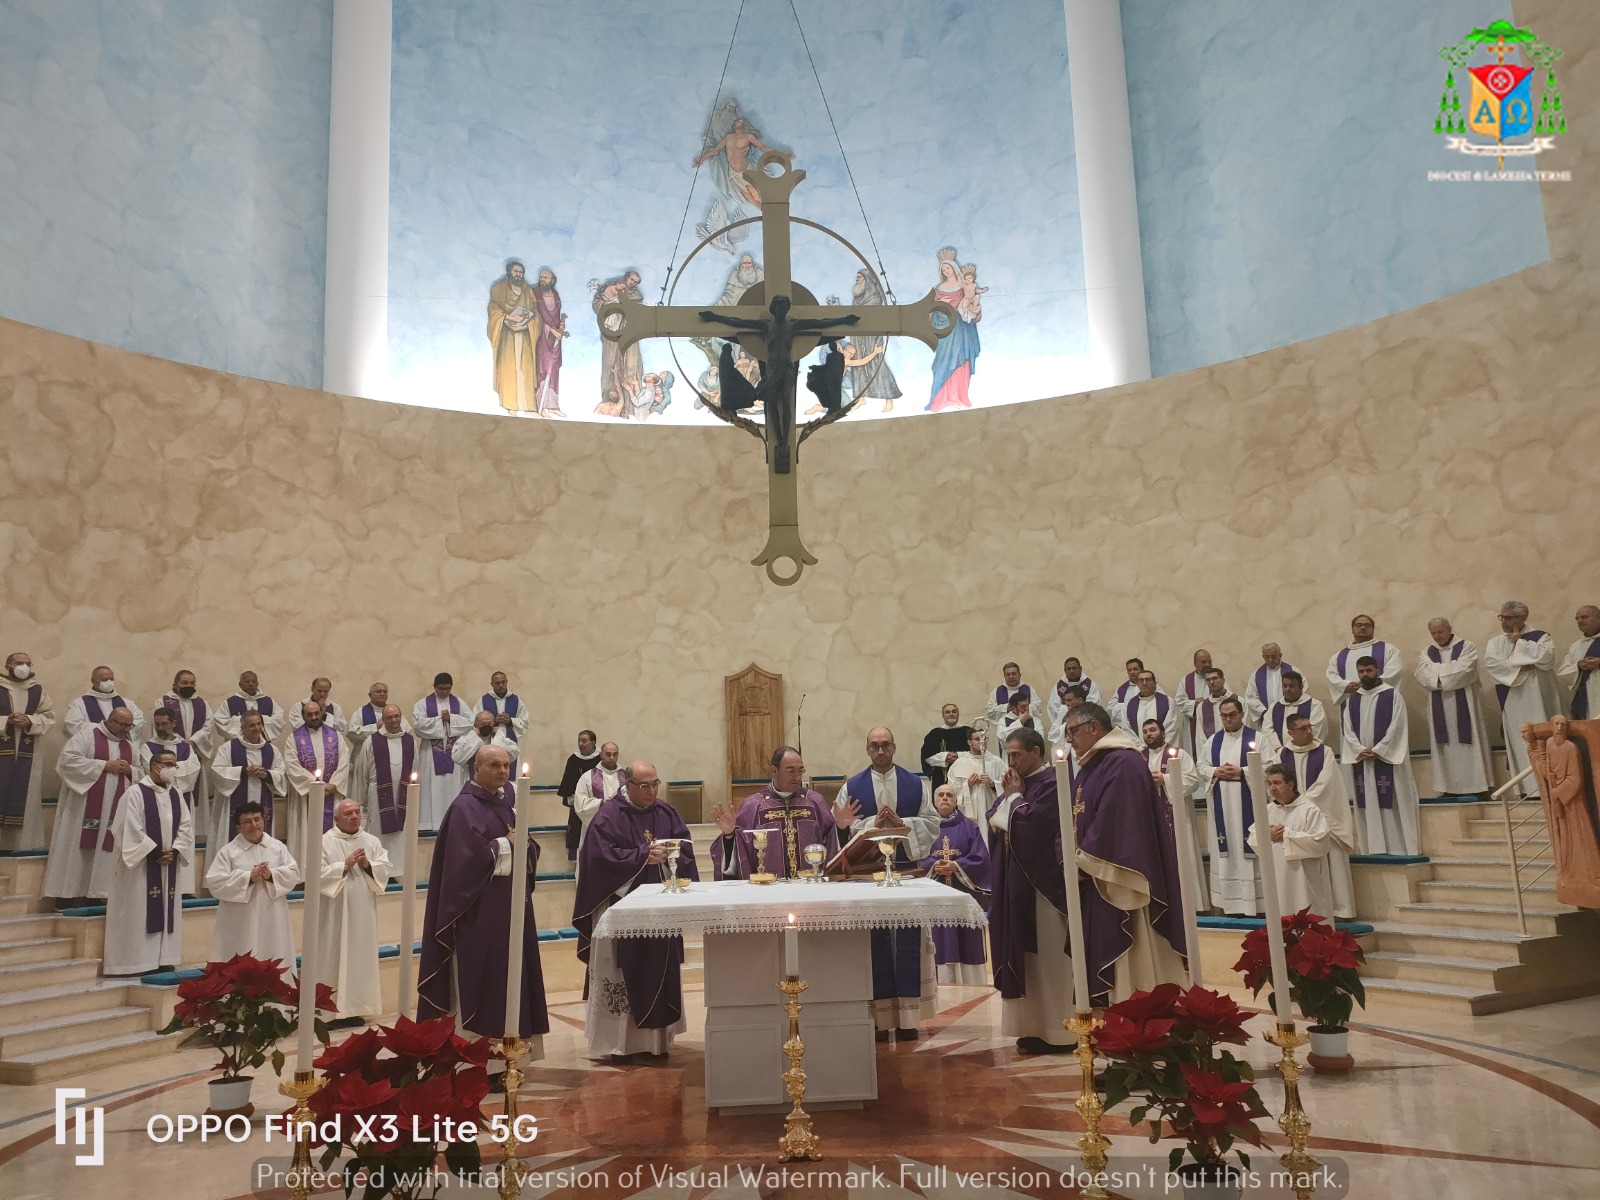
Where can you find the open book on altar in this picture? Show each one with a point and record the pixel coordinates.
(861, 858)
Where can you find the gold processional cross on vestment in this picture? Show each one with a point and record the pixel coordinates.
(777, 318)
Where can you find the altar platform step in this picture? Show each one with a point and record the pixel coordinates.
(1480, 868)
(62, 1062)
(1539, 896)
(34, 950)
(1542, 922)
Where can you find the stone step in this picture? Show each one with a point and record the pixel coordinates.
(1447, 996)
(26, 927)
(1482, 870)
(73, 1029)
(87, 994)
(1541, 895)
(1475, 973)
(62, 1062)
(25, 976)
(1494, 828)
(31, 950)
(1539, 844)
(1485, 916)
(1496, 947)
(15, 906)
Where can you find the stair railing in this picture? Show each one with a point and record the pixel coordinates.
(1515, 830)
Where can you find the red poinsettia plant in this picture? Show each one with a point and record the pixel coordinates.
(243, 1007)
(1165, 1047)
(1324, 968)
(401, 1095)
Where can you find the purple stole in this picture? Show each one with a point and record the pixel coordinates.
(16, 757)
(1383, 773)
(513, 707)
(443, 764)
(907, 797)
(1247, 805)
(307, 754)
(1212, 710)
(1002, 696)
(1501, 691)
(160, 894)
(1163, 707)
(597, 781)
(1580, 695)
(92, 706)
(1441, 727)
(1280, 715)
(1377, 652)
(367, 715)
(239, 756)
(1261, 681)
(96, 817)
(1062, 685)
(238, 706)
(1315, 758)
(1193, 685)
(175, 703)
(392, 811)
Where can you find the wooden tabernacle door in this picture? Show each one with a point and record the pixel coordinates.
(754, 700)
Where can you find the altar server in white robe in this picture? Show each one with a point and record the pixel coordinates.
(191, 717)
(1235, 879)
(976, 775)
(355, 871)
(598, 785)
(380, 782)
(439, 718)
(96, 768)
(1293, 701)
(1190, 689)
(95, 705)
(1342, 678)
(1447, 669)
(995, 704)
(1072, 676)
(247, 769)
(1157, 752)
(1580, 670)
(1205, 715)
(1377, 760)
(29, 714)
(332, 713)
(251, 877)
(1148, 703)
(485, 732)
(506, 707)
(1300, 841)
(364, 721)
(155, 842)
(1320, 779)
(316, 765)
(185, 775)
(249, 698)
(1521, 661)
(1264, 686)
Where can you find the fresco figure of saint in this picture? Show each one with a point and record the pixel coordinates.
(513, 333)
(730, 143)
(552, 329)
(956, 359)
(866, 359)
(620, 370)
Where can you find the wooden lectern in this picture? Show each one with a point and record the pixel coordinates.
(754, 700)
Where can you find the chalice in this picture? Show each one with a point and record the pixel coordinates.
(816, 854)
(758, 838)
(886, 843)
(674, 849)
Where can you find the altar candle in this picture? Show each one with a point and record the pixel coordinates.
(791, 950)
(408, 907)
(1269, 887)
(1069, 868)
(519, 904)
(311, 872)
(1183, 829)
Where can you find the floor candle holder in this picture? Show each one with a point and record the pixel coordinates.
(300, 1089)
(1295, 1124)
(799, 1142)
(512, 1050)
(1092, 1144)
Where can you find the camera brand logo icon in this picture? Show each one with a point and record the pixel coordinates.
(80, 1136)
(1499, 65)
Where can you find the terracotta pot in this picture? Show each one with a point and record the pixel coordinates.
(1330, 1050)
(1210, 1182)
(231, 1096)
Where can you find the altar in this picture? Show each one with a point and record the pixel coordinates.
(742, 925)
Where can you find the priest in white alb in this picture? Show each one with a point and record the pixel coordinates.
(995, 704)
(976, 775)
(510, 713)
(484, 733)
(97, 765)
(1264, 685)
(185, 775)
(1341, 674)
(1158, 751)
(438, 719)
(1205, 714)
(380, 782)
(1293, 702)
(1300, 842)
(1377, 759)
(1447, 669)
(93, 706)
(317, 769)
(155, 841)
(28, 714)
(249, 698)
(1319, 778)
(332, 713)
(1580, 669)
(355, 872)
(1521, 661)
(251, 877)
(365, 720)
(1128, 686)
(597, 785)
(1072, 676)
(1235, 877)
(247, 769)
(191, 721)
(1190, 688)
(1147, 703)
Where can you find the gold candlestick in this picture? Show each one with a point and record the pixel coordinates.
(300, 1089)
(798, 1140)
(1294, 1122)
(511, 1049)
(1093, 1145)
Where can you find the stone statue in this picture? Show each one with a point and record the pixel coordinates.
(1563, 764)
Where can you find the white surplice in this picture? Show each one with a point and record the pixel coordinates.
(975, 799)
(1460, 768)
(994, 704)
(439, 788)
(92, 708)
(367, 720)
(1132, 713)
(129, 948)
(1256, 705)
(225, 726)
(1525, 667)
(1190, 688)
(332, 714)
(1055, 705)
(586, 800)
(186, 779)
(1342, 668)
(1567, 673)
(1304, 880)
(495, 705)
(306, 795)
(1235, 879)
(30, 835)
(253, 918)
(1381, 830)
(347, 922)
(364, 791)
(466, 749)
(1275, 735)
(71, 870)
(226, 780)
(193, 725)
(1320, 780)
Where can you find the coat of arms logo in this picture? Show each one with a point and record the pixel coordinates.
(1498, 65)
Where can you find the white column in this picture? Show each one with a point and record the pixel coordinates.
(1113, 269)
(355, 322)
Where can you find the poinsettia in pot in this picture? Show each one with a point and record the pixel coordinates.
(1166, 1048)
(1324, 982)
(401, 1096)
(243, 1008)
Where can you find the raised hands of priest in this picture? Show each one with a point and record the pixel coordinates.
(722, 814)
(887, 816)
(1277, 833)
(1011, 782)
(657, 855)
(260, 873)
(846, 813)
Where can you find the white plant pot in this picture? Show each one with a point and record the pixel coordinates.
(1334, 1043)
(230, 1095)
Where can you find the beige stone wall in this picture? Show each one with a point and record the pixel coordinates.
(155, 515)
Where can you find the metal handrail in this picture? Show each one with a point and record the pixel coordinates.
(1511, 840)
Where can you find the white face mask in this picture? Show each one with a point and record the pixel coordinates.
(21, 671)
(107, 687)
(158, 776)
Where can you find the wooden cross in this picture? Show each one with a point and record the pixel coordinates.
(627, 322)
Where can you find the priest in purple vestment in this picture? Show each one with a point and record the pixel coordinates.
(797, 816)
(469, 907)
(960, 858)
(635, 983)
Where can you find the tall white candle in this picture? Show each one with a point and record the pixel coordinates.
(1269, 886)
(1069, 869)
(311, 872)
(519, 904)
(1188, 886)
(791, 950)
(407, 1005)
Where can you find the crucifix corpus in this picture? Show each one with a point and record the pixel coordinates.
(778, 323)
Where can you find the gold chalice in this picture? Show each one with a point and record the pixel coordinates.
(674, 850)
(886, 843)
(758, 838)
(816, 854)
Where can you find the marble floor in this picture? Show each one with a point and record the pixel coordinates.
(1439, 1106)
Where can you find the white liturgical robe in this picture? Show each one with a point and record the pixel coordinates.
(1385, 793)
(1449, 674)
(92, 708)
(1522, 668)
(89, 793)
(253, 918)
(225, 720)
(1342, 668)
(1304, 880)
(466, 749)
(1205, 719)
(595, 787)
(994, 704)
(1194, 788)
(1235, 879)
(306, 752)
(1190, 689)
(1274, 727)
(348, 921)
(235, 786)
(1263, 687)
(1582, 687)
(1057, 704)
(974, 799)
(130, 946)
(187, 781)
(1320, 779)
(24, 745)
(364, 790)
(366, 720)
(511, 704)
(332, 714)
(441, 778)
(1133, 712)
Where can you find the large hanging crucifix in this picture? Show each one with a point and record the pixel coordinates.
(778, 323)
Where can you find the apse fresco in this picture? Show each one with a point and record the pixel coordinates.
(542, 167)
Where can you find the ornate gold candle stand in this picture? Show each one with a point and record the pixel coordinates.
(1294, 1122)
(511, 1049)
(300, 1089)
(798, 1142)
(1092, 1144)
